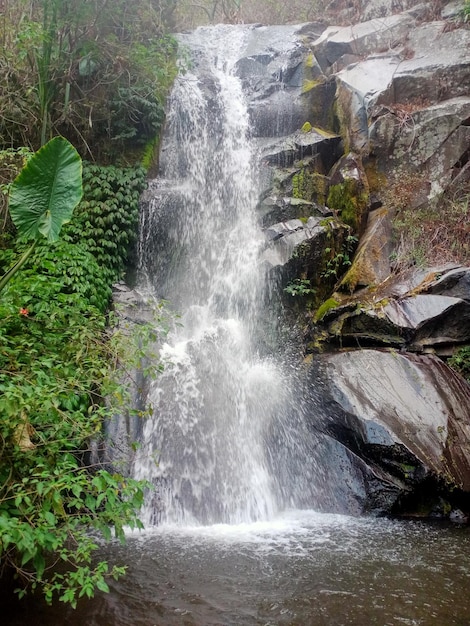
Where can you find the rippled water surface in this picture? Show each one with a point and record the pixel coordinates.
(302, 569)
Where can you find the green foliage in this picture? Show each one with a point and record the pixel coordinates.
(304, 185)
(349, 203)
(60, 373)
(460, 362)
(11, 162)
(299, 287)
(106, 220)
(96, 76)
(61, 272)
(338, 262)
(43, 196)
(56, 369)
(323, 309)
(466, 11)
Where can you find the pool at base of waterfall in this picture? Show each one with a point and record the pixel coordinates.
(301, 569)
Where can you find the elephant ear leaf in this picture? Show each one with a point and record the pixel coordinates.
(46, 191)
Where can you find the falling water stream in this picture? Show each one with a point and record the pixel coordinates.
(224, 411)
(243, 526)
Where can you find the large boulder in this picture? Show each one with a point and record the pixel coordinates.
(353, 42)
(433, 141)
(406, 417)
(284, 151)
(299, 250)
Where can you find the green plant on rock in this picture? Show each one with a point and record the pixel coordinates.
(299, 287)
(338, 262)
(345, 199)
(323, 309)
(460, 361)
(303, 185)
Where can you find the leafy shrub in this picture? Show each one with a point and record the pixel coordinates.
(337, 262)
(95, 76)
(61, 271)
(56, 369)
(11, 162)
(106, 220)
(299, 287)
(460, 362)
(59, 380)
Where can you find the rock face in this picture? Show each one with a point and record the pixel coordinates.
(355, 123)
(406, 417)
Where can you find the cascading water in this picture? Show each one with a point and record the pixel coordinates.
(218, 443)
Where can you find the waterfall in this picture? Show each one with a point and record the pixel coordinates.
(219, 445)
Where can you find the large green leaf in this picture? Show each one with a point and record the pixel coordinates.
(46, 191)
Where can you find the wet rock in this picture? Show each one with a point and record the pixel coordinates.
(458, 517)
(454, 283)
(358, 90)
(297, 250)
(371, 264)
(404, 415)
(434, 319)
(348, 192)
(424, 311)
(284, 151)
(285, 237)
(273, 210)
(273, 73)
(131, 306)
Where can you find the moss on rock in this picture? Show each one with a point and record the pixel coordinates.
(323, 309)
(349, 201)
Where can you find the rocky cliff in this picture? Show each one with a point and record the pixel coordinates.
(364, 131)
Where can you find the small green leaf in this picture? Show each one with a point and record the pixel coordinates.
(102, 586)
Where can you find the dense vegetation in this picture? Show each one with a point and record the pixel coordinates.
(57, 366)
(95, 72)
(98, 76)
